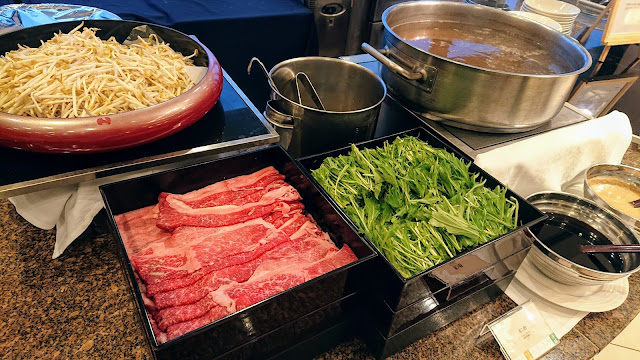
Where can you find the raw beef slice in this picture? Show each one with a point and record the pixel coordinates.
(174, 212)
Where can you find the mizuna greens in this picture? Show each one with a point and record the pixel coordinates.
(419, 205)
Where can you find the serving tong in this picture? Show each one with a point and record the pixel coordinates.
(301, 80)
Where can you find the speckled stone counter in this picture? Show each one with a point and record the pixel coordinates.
(79, 306)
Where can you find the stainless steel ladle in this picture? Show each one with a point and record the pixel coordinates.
(266, 73)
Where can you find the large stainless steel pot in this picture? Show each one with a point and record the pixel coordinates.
(469, 96)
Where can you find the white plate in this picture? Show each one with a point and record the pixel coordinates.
(556, 7)
(526, 8)
(556, 18)
(538, 18)
(582, 298)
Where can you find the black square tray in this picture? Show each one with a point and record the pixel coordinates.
(386, 283)
(389, 322)
(230, 332)
(382, 346)
(306, 337)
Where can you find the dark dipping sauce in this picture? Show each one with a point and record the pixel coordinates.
(483, 47)
(564, 235)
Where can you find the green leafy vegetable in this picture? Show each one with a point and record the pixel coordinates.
(419, 205)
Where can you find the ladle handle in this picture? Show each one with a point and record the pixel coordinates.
(266, 72)
(610, 248)
(415, 75)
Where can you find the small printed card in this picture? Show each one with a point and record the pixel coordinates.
(523, 334)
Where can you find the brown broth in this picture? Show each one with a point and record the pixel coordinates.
(482, 47)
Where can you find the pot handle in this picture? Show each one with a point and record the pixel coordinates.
(420, 74)
(276, 116)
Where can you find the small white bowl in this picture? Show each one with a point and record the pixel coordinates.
(539, 19)
(553, 7)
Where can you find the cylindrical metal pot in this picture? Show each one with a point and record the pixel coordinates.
(350, 94)
(469, 96)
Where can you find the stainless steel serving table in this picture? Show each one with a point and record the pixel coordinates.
(233, 124)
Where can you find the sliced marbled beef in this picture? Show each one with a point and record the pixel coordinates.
(232, 191)
(269, 279)
(206, 254)
(289, 224)
(138, 229)
(209, 282)
(182, 328)
(174, 212)
(191, 302)
(190, 249)
(299, 227)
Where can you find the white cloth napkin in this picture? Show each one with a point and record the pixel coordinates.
(560, 319)
(556, 160)
(69, 208)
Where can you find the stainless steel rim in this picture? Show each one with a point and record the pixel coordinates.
(480, 8)
(286, 62)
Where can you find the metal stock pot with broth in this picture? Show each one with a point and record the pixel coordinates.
(477, 67)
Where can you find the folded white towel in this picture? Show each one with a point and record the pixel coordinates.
(70, 209)
(556, 160)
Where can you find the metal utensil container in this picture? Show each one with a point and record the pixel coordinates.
(351, 94)
(469, 96)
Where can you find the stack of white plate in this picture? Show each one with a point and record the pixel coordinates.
(563, 13)
(539, 19)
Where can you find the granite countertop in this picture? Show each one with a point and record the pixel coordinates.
(79, 306)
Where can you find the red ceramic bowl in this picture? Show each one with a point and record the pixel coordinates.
(120, 130)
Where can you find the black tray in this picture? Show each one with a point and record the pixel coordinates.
(455, 275)
(389, 322)
(382, 346)
(397, 291)
(307, 336)
(230, 332)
